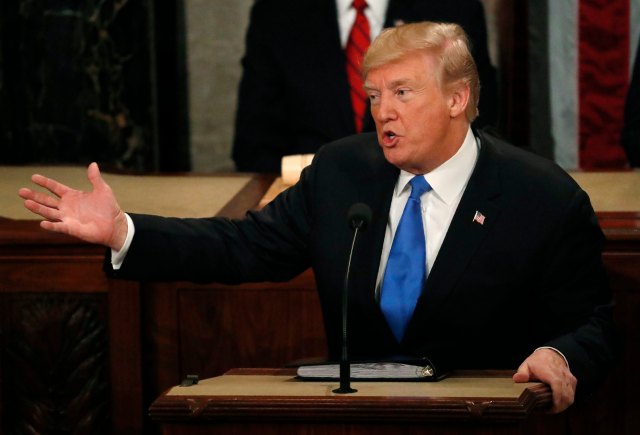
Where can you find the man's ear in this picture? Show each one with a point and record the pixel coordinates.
(458, 99)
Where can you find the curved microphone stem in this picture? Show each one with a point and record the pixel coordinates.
(345, 367)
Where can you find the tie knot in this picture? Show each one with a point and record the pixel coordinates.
(359, 5)
(419, 186)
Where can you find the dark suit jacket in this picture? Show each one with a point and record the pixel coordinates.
(294, 94)
(531, 275)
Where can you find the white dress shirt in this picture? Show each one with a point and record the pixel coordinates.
(447, 182)
(375, 13)
(117, 257)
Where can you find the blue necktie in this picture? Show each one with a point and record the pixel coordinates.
(406, 269)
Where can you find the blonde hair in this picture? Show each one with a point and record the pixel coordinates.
(447, 41)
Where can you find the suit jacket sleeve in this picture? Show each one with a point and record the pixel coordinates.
(269, 245)
(574, 297)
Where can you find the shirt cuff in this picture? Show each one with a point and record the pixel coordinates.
(557, 351)
(117, 257)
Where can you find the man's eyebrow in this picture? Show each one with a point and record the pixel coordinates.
(391, 85)
(369, 87)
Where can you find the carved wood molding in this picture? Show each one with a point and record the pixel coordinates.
(55, 374)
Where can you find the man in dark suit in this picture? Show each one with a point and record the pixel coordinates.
(294, 93)
(511, 248)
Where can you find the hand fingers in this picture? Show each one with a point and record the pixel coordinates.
(520, 377)
(51, 185)
(94, 176)
(58, 227)
(39, 197)
(564, 390)
(26, 193)
(523, 374)
(48, 213)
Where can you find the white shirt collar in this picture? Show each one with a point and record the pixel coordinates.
(378, 7)
(450, 178)
(375, 12)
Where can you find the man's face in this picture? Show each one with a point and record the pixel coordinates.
(413, 116)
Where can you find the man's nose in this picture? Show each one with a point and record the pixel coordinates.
(386, 109)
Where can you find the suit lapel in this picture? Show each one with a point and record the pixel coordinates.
(377, 193)
(465, 235)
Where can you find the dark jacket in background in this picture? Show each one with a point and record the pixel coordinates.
(294, 94)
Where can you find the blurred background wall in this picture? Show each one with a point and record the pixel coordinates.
(215, 46)
(146, 85)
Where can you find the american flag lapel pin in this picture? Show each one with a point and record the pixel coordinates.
(478, 218)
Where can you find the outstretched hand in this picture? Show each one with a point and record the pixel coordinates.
(546, 365)
(92, 216)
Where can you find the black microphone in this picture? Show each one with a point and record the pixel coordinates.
(358, 217)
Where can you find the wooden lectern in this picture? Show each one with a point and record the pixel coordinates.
(273, 401)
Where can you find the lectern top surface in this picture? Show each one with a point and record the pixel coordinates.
(289, 386)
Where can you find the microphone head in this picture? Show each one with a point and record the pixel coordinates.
(359, 215)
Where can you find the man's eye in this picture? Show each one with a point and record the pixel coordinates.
(402, 92)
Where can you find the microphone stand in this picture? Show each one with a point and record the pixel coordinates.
(345, 367)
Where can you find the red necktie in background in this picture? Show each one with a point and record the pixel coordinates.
(357, 44)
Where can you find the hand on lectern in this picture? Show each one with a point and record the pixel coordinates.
(548, 366)
(92, 216)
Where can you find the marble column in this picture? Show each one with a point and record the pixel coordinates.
(77, 82)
